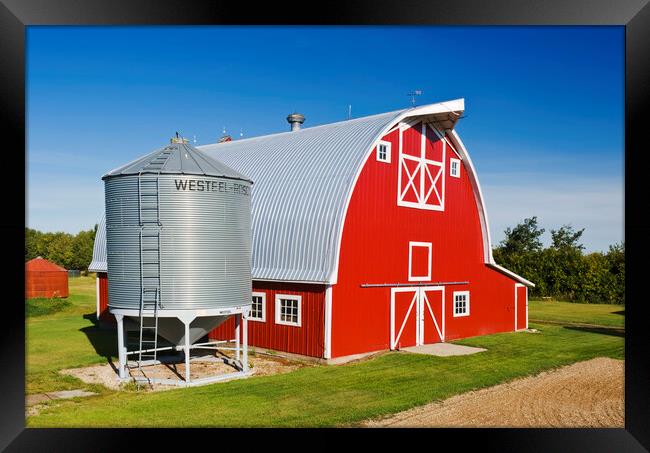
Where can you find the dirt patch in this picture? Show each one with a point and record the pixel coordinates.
(35, 403)
(106, 374)
(587, 394)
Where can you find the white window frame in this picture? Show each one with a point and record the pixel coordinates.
(423, 168)
(419, 278)
(388, 151)
(278, 306)
(263, 296)
(453, 161)
(460, 293)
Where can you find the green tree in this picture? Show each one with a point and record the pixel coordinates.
(33, 244)
(523, 238)
(64, 249)
(562, 270)
(82, 250)
(58, 248)
(566, 238)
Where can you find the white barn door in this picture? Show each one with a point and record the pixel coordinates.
(416, 316)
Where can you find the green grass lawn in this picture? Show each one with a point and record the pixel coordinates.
(41, 306)
(332, 395)
(310, 396)
(66, 339)
(606, 315)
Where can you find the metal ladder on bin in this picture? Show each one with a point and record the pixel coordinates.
(150, 228)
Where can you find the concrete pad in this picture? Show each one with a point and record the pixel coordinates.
(443, 349)
(65, 394)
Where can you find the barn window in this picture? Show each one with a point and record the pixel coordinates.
(383, 152)
(287, 310)
(454, 169)
(258, 307)
(421, 170)
(419, 261)
(461, 303)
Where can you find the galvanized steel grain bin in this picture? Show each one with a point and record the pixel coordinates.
(178, 233)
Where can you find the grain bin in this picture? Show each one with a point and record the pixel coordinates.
(178, 239)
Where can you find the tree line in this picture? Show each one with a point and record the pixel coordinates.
(67, 250)
(562, 270)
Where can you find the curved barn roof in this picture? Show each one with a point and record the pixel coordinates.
(98, 264)
(303, 182)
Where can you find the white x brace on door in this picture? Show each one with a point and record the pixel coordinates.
(421, 180)
(414, 318)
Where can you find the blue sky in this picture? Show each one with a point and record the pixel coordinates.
(544, 119)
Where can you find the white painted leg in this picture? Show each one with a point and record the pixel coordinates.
(237, 336)
(121, 350)
(187, 352)
(245, 341)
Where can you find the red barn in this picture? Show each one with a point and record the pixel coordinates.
(43, 278)
(370, 234)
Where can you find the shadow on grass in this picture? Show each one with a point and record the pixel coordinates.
(602, 330)
(102, 339)
(621, 312)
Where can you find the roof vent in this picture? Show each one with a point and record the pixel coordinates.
(296, 119)
(178, 139)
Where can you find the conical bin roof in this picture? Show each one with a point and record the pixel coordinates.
(177, 159)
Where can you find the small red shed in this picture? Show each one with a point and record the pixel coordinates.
(45, 279)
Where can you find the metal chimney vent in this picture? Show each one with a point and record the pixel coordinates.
(296, 119)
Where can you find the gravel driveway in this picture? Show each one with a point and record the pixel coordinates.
(585, 394)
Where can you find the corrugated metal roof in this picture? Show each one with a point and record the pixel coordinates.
(177, 158)
(303, 181)
(98, 263)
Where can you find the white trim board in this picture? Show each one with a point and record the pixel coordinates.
(327, 348)
(478, 196)
(97, 294)
(419, 278)
(517, 286)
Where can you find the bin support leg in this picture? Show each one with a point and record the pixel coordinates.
(121, 349)
(187, 352)
(245, 341)
(237, 336)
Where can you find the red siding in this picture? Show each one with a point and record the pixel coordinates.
(104, 314)
(305, 340)
(375, 249)
(46, 284)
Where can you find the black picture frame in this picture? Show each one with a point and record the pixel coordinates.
(634, 15)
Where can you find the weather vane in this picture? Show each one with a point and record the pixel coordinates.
(413, 94)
